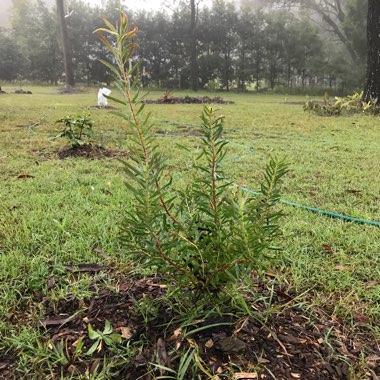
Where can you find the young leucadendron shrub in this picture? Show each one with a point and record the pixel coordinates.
(203, 236)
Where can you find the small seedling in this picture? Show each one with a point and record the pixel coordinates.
(76, 129)
(102, 338)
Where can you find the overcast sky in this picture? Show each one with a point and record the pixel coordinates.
(133, 4)
(138, 4)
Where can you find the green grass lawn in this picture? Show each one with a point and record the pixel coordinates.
(64, 208)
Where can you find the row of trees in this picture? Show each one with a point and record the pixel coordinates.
(221, 46)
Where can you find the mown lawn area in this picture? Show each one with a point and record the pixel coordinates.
(59, 212)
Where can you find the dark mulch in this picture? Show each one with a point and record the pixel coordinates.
(22, 92)
(188, 100)
(89, 151)
(290, 344)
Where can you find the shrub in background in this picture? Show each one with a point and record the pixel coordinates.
(201, 236)
(349, 104)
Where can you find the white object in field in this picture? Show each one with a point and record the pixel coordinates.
(102, 100)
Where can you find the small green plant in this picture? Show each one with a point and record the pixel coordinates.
(76, 129)
(168, 95)
(202, 236)
(101, 338)
(147, 308)
(349, 104)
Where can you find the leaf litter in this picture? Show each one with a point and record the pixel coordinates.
(291, 344)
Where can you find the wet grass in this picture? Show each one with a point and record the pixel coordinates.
(54, 212)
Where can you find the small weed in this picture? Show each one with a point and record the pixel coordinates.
(103, 338)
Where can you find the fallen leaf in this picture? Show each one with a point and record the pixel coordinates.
(245, 375)
(361, 318)
(162, 355)
(342, 267)
(75, 344)
(95, 365)
(25, 176)
(219, 336)
(231, 344)
(282, 294)
(372, 359)
(101, 253)
(71, 369)
(295, 375)
(328, 249)
(125, 332)
(371, 284)
(84, 267)
(51, 282)
(177, 337)
(58, 320)
(209, 343)
(3, 366)
(192, 343)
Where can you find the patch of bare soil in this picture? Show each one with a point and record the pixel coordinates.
(290, 344)
(188, 100)
(89, 151)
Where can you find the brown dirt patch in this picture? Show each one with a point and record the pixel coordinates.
(290, 344)
(89, 151)
(188, 100)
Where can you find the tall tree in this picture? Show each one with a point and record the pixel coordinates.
(193, 42)
(372, 88)
(193, 46)
(12, 60)
(67, 49)
(37, 38)
(223, 28)
(332, 14)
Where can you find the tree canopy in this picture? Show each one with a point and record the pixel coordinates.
(276, 44)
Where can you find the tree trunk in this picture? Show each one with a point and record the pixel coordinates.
(372, 87)
(67, 50)
(193, 48)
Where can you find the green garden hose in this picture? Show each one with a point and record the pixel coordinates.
(296, 205)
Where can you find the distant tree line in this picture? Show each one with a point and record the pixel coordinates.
(272, 47)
